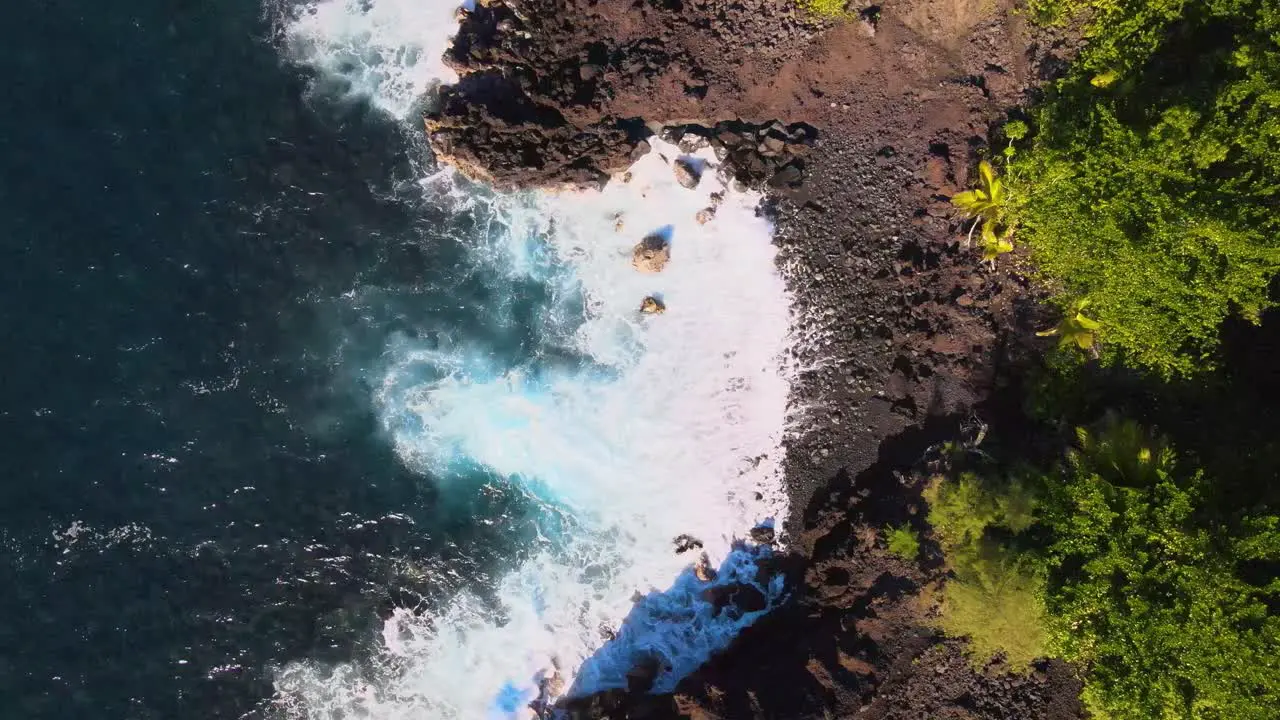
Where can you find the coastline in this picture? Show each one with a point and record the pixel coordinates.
(903, 330)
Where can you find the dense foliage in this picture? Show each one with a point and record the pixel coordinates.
(1151, 186)
(1112, 560)
(1165, 606)
(1147, 186)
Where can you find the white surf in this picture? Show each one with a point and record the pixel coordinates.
(648, 427)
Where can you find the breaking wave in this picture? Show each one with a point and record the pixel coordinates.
(622, 430)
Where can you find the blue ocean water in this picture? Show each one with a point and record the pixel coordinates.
(193, 487)
(298, 426)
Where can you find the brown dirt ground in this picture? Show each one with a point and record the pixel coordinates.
(905, 332)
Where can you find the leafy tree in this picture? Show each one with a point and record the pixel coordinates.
(1115, 560)
(1152, 182)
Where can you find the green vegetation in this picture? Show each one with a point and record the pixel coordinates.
(1112, 560)
(995, 598)
(1151, 184)
(826, 8)
(987, 205)
(1154, 596)
(1075, 328)
(1146, 186)
(903, 542)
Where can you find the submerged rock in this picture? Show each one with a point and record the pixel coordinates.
(685, 543)
(743, 596)
(653, 306)
(686, 174)
(762, 534)
(644, 674)
(651, 254)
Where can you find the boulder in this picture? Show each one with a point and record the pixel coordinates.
(651, 254)
(644, 674)
(762, 534)
(685, 543)
(686, 174)
(652, 306)
(704, 215)
(703, 570)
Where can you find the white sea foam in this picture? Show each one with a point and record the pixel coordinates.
(386, 50)
(626, 430)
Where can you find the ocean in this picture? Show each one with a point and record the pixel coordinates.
(301, 425)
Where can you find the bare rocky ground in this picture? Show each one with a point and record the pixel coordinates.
(861, 128)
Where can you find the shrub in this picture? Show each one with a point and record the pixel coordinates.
(1151, 595)
(903, 542)
(1000, 611)
(1118, 561)
(995, 596)
(826, 8)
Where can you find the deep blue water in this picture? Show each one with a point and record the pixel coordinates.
(183, 386)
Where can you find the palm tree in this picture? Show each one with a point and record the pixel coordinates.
(1075, 328)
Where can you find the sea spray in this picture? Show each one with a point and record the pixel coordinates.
(623, 429)
(388, 51)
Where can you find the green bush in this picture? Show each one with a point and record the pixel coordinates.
(1000, 611)
(995, 596)
(1156, 600)
(1150, 188)
(826, 8)
(1120, 33)
(903, 542)
(1117, 561)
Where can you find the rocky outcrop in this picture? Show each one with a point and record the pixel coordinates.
(556, 92)
(651, 254)
(652, 306)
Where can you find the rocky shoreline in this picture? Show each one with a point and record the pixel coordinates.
(859, 129)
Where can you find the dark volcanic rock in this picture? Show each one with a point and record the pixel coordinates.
(685, 543)
(686, 174)
(559, 91)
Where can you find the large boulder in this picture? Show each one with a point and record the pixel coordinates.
(686, 173)
(651, 254)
